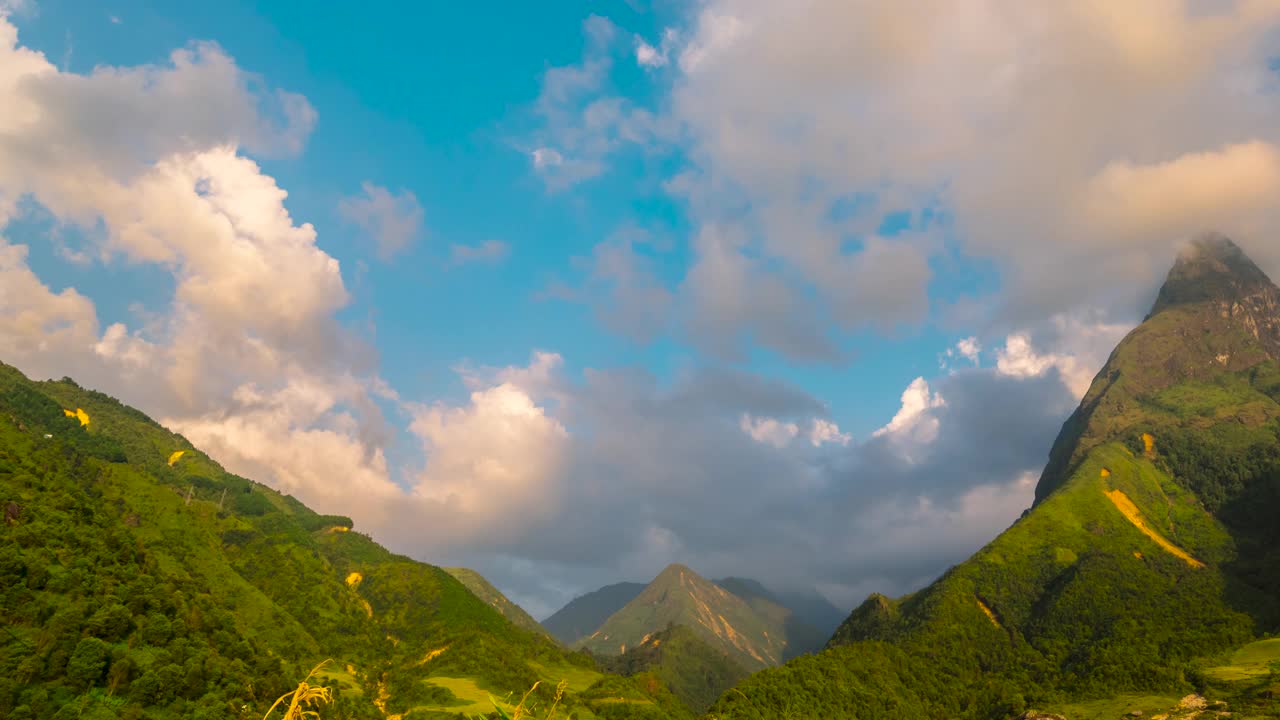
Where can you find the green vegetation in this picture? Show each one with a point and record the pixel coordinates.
(484, 590)
(135, 588)
(693, 670)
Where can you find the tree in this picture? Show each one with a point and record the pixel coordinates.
(88, 662)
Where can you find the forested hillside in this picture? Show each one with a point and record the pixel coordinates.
(138, 579)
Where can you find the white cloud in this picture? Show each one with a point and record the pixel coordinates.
(546, 158)
(970, 349)
(822, 432)
(913, 415)
(649, 56)
(1077, 350)
(1075, 143)
(247, 356)
(392, 220)
(769, 431)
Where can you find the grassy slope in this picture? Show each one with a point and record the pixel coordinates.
(483, 589)
(125, 599)
(694, 671)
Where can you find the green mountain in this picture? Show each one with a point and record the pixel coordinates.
(139, 579)
(694, 671)
(491, 595)
(586, 613)
(679, 596)
(1149, 562)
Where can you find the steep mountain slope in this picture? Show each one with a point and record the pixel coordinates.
(802, 636)
(679, 596)
(586, 613)
(492, 596)
(1153, 541)
(140, 579)
(694, 671)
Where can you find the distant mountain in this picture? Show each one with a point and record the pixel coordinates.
(801, 637)
(586, 613)
(140, 579)
(694, 671)
(1151, 554)
(485, 590)
(810, 619)
(679, 596)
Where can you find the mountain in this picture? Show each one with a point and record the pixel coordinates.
(694, 671)
(586, 613)
(1148, 563)
(679, 596)
(801, 636)
(492, 596)
(139, 579)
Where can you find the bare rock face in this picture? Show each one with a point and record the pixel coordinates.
(1037, 715)
(12, 513)
(132, 520)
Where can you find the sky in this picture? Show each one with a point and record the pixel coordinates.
(566, 292)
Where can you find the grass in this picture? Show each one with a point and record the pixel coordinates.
(1118, 706)
(1250, 662)
(578, 678)
(474, 699)
(347, 682)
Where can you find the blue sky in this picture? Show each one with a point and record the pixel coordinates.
(718, 282)
(436, 98)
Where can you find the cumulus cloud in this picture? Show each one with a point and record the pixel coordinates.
(1075, 145)
(391, 220)
(247, 356)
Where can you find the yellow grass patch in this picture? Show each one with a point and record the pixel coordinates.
(1131, 512)
(1105, 472)
(78, 414)
(433, 654)
(1149, 444)
(353, 580)
(177, 455)
(990, 615)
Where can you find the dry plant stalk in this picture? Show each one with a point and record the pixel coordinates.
(304, 696)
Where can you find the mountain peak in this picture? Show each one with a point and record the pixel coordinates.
(675, 571)
(1211, 268)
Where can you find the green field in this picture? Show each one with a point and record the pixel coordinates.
(347, 683)
(474, 699)
(1250, 662)
(579, 678)
(1117, 707)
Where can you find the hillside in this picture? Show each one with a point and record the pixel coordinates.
(139, 579)
(1150, 556)
(492, 596)
(679, 596)
(586, 613)
(694, 671)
